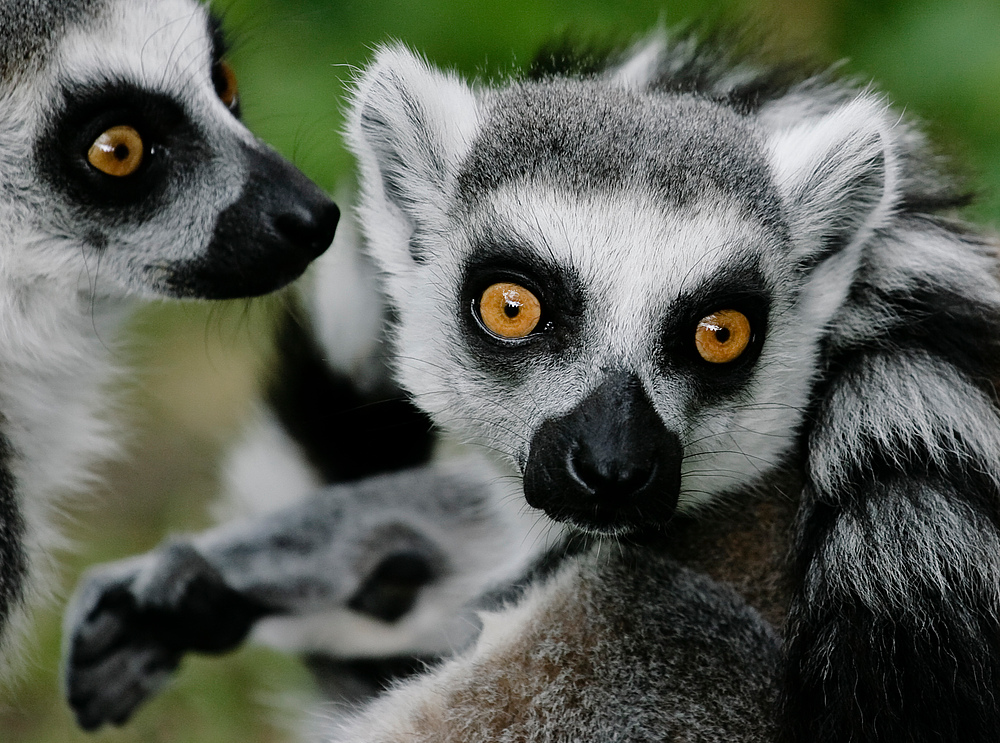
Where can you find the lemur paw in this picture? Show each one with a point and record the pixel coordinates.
(131, 622)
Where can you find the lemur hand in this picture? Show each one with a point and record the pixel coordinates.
(131, 622)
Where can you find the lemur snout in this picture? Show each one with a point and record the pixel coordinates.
(299, 212)
(609, 464)
(609, 477)
(277, 226)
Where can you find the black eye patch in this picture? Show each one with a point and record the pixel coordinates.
(740, 292)
(557, 289)
(174, 147)
(220, 47)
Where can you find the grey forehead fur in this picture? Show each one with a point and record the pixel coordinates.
(590, 135)
(28, 28)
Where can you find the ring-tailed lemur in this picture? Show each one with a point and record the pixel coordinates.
(124, 172)
(651, 289)
(376, 577)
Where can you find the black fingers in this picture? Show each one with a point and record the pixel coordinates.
(126, 645)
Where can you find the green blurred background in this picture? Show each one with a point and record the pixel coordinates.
(199, 365)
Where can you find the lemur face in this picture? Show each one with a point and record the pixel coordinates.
(126, 168)
(624, 348)
(622, 292)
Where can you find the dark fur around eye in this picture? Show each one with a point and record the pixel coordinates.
(220, 47)
(174, 147)
(558, 290)
(740, 288)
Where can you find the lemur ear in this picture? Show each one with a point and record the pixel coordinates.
(836, 175)
(410, 126)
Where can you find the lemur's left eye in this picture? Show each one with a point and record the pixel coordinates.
(118, 151)
(225, 85)
(509, 310)
(722, 336)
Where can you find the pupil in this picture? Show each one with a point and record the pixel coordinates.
(511, 310)
(121, 152)
(722, 335)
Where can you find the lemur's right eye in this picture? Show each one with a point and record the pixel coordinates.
(723, 336)
(508, 310)
(118, 151)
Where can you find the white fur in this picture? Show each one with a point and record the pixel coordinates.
(263, 472)
(814, 159)
(508, 539)
(349, 310)
(445, 108)
(640, 63)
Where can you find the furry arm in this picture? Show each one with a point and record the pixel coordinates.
(393, 558)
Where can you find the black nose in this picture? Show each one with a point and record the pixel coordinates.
(612, 478)
(609, 464)
(310, 230)
(278, 225)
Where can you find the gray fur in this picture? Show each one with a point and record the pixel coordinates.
(309, 562)
(29, 29)
(894, 320)
(630, 226)
(682, 147)
(618, 646)
(618, 643)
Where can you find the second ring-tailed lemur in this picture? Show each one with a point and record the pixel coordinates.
(652, 290)
(124, 172)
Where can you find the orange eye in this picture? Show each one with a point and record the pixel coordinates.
(509, 310)
(225, 85)
(722, 336)
(117, 152)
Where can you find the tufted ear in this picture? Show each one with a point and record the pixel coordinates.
(410, 126)
(836, 175)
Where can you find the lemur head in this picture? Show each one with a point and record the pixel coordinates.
(621, 290)
(123, 164)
